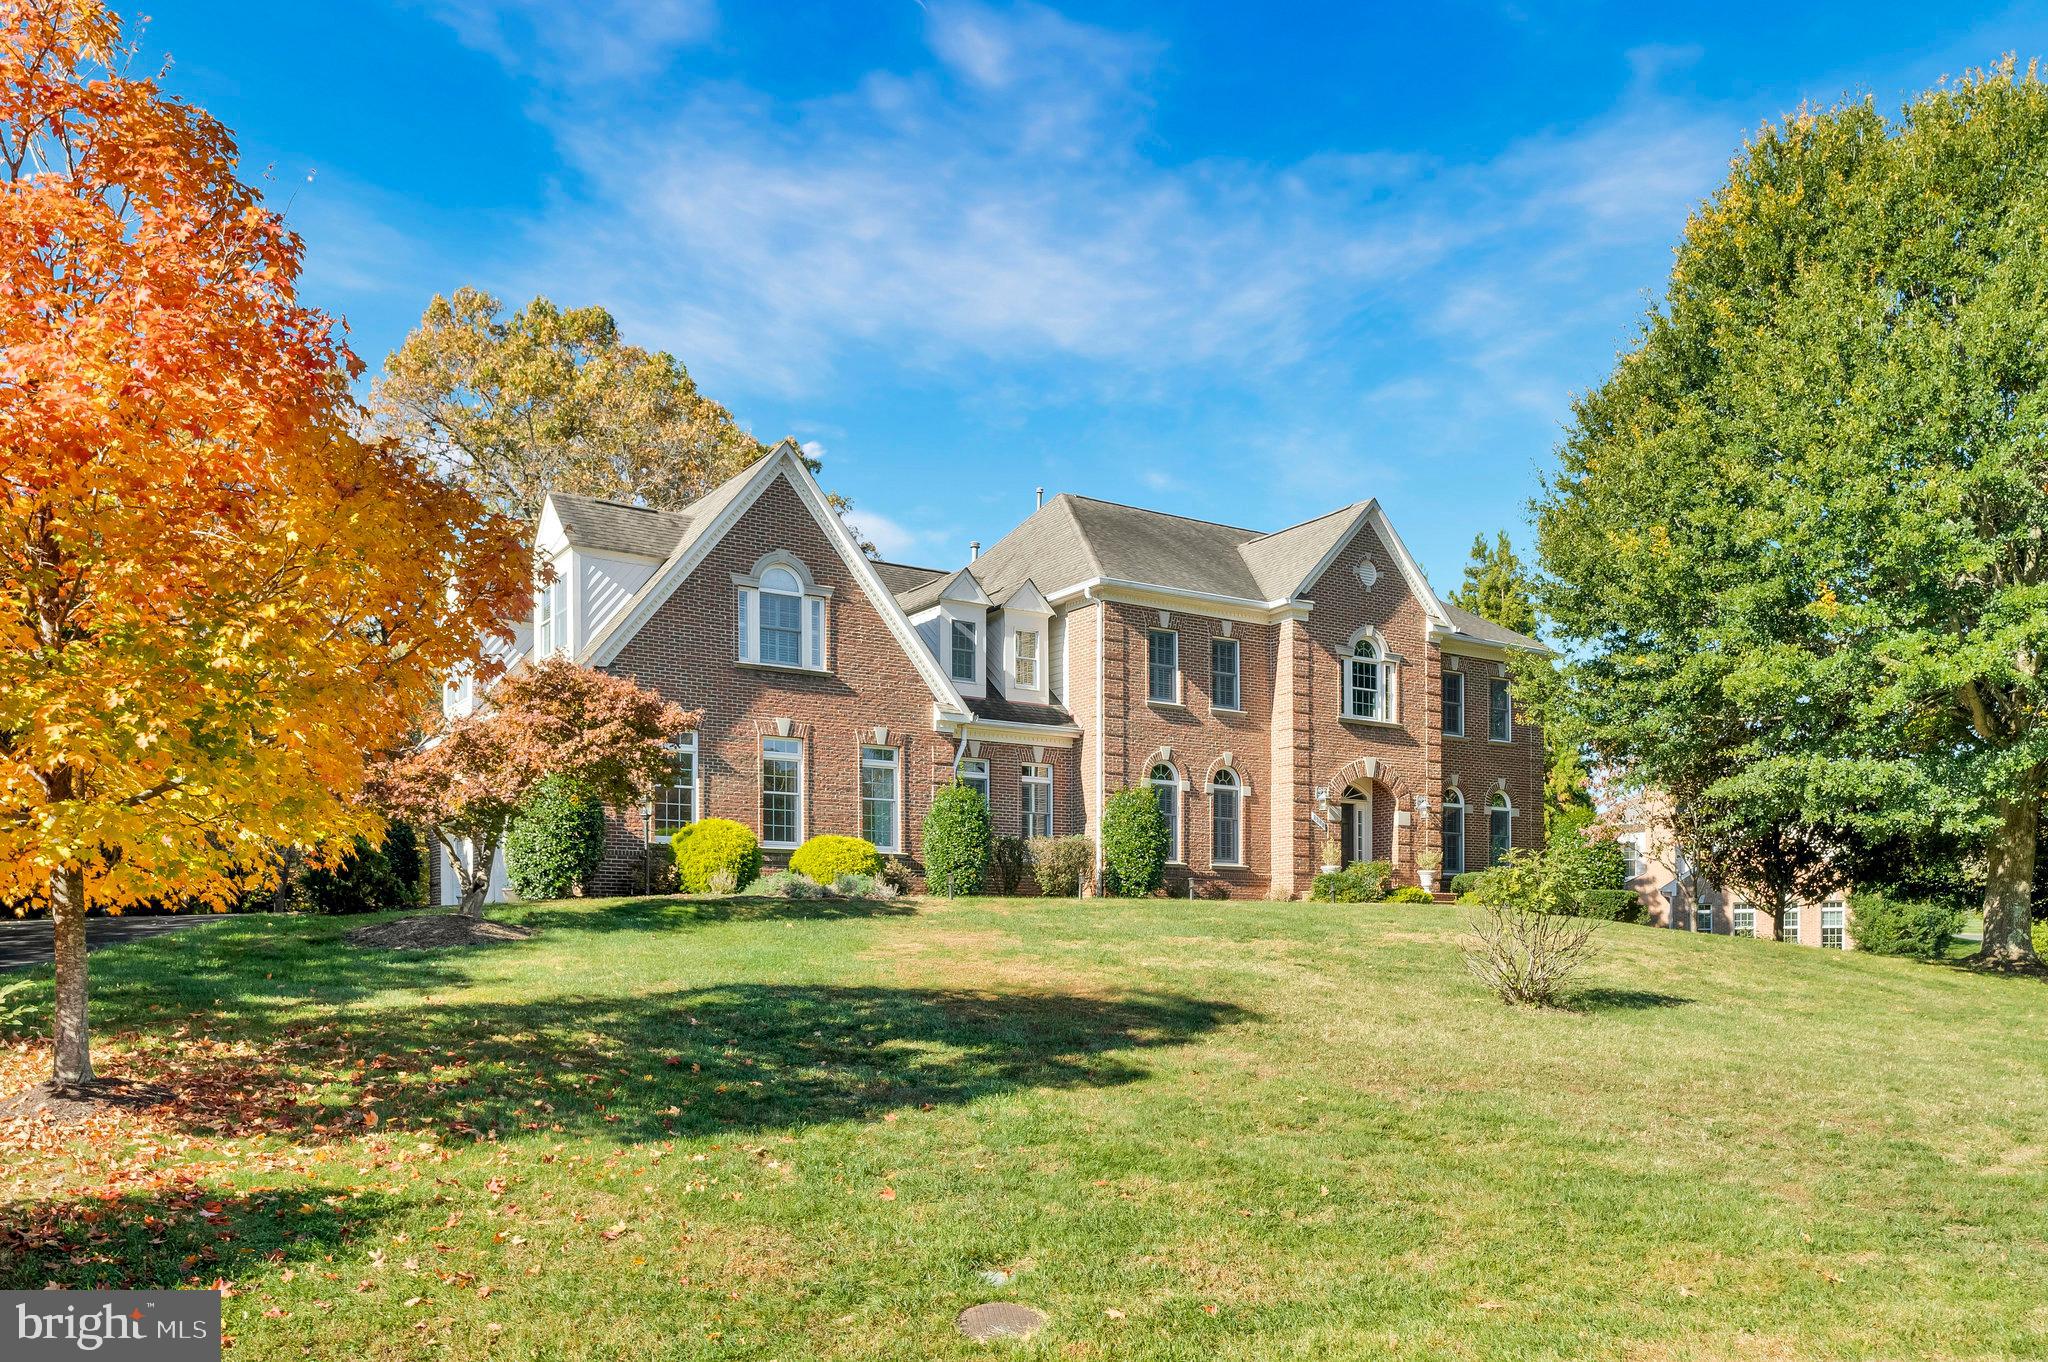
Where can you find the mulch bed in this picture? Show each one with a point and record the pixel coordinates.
(68, 1104)
(435, 930)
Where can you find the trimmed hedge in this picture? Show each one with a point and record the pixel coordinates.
(1133, 843)
(555, 843)
(1061, 865)
(957, 836)
(1411, 893)
(1888, 926)
(826, 857)
(1611, 905)
(1007, 861)
(710, 845)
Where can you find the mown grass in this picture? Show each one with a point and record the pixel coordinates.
(668, 1129)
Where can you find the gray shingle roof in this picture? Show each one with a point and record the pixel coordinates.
(616, 527)
(926, 594)
(997, 709)
(1479, 627)
(902, 577)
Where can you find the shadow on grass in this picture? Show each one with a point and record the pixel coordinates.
(169, 1238)
(1623, 1000)
(663, 914)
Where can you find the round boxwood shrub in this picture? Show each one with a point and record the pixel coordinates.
(555, 842)
(711, 845)
(1889, 926)
(1133, 843)
(826, 857)
(1411, 893)
(957, 839)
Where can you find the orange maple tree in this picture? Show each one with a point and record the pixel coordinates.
(219, 600)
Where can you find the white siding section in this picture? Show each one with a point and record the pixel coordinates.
(605, 584)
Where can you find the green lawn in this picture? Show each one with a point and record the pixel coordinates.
(665, 1129)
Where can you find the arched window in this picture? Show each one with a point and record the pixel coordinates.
(1454, 834)
(1365, 680)
(1166, 788)
(1500, 827)
(1226, 814)
(782, 615)
(782, 618)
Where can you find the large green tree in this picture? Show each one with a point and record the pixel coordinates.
(1799, 538)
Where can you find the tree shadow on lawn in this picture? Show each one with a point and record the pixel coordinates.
(1622, 1000)
(188, 1235)
(699, 1061)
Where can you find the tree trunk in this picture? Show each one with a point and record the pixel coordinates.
(74, 1042)
(1778, 898)
(2009, 885)
(476, 879)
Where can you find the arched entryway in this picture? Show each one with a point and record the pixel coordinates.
(1367, 800)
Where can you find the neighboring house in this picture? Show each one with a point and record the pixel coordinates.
(1676, 893)
(1264, 686)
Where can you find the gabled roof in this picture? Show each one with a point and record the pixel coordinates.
(617, 526)
(953, 586)
(902, 577)
(1486, 631)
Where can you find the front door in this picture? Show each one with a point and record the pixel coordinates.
(1357, 827)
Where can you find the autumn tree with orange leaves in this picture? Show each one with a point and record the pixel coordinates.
(219, 601)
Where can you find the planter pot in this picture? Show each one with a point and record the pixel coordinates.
(1428, 878)
(1331, 869)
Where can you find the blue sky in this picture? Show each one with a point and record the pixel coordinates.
(1245, 262)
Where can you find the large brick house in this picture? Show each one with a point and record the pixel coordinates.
(1266, 686)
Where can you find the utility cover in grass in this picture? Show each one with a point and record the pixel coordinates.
(999, 1319)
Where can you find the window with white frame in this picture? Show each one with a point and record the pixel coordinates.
(1223, 674)
(1226, 819)
(1365, 680)
(1162, 667)
(966, 642)
(675, 804)
(1702, 913)
(1454, 704)
(1500, 827)
(781, 619)
(782, 792)
(1454, 834)
(1166, 789)
(1500, 713)
(551, 620)
(1037, 802)
(1834, 926)
(1788, 925)
(880, 795)
(974, 775)
(1024, 666)
(1742, 918)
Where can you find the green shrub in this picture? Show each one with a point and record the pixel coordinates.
(1133, 843)
(1359, 882)
(1580, 863)
(408, 862)
(1465, 883)
(1611, 905)
(900, 875)
(360, 882)
(827, 857)
(787, 884)
(1411, 893)
(871, 887)
(956, 840)
(1007, 861)
(1061, 865)
(555, 842)
(711, 845)
(1889, 926)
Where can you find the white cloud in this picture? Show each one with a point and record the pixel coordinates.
(896, 541)
(579, 42)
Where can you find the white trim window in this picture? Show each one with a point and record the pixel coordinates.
(881, 797)
(974, 775)
(1224, 689)
(1500, 827)
(1367, 678)
(1834, 925)
(1226, 819)
(1024, 658)
(1500, 713)
(963, 646)
(1037, 801)
(1788, 925)
(1454, 704)
(781, 617)
(782, 793)
(1162, 667)
(1166, 789)
(1702, 914)
(676, 803)
(551, 620)
(1453, 834)
(1742, 918)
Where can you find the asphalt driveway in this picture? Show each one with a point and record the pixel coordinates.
(25, 943)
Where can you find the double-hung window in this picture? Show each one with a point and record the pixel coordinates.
(1500, 713)
(1365, 677)
(1166, 789)
(781, 623)
(675, 804)
(879, 797)
(1788, 925)
(1223, 674)
(1742, 918)
(1037, 804)
(966, 643)
(782, 792)
(1702, 914)
(551, 625)
(974, 775)
(1500, 828)
(1834, 926)
(1162, 667)
(1226, 815)
(1025, 664)
(1454, 704)
(1454, 835)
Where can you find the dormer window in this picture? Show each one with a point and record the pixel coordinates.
(966, 641)
(781, 615)
(1026, 664)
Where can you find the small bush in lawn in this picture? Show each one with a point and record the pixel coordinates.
(1611, 905)
(956, 841)
(787, 884)
(900, 875)
(1359, 882)
(1133, 843)
(1526, 957)
(1061, 864)
(1007, 861)
(826, 858)
(1411, 893)
(870, 887)
(710, 845)
(1888, 926)
(555, 842)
